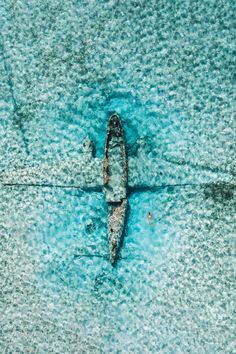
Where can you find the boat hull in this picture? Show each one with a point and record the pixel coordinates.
(115, 162)
(116, 224)
(115, 184)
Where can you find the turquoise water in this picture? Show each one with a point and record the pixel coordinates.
(168, 69)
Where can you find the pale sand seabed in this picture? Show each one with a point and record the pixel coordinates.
(169, 73)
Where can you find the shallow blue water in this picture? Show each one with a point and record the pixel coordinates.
(168, 70)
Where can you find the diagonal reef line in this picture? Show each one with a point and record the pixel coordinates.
(99, 189)
(10, 83)
(46, 185)
(141, 189)
(161, 186)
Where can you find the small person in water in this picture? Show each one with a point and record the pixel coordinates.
(149, 217)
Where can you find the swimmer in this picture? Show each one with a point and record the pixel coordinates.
(149, 217)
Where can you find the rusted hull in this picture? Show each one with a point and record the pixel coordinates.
(116, 223)
(115, 184)
(115, 165)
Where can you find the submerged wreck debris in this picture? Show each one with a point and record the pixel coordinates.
(115, 169)
(115, 226)
(110, 175)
